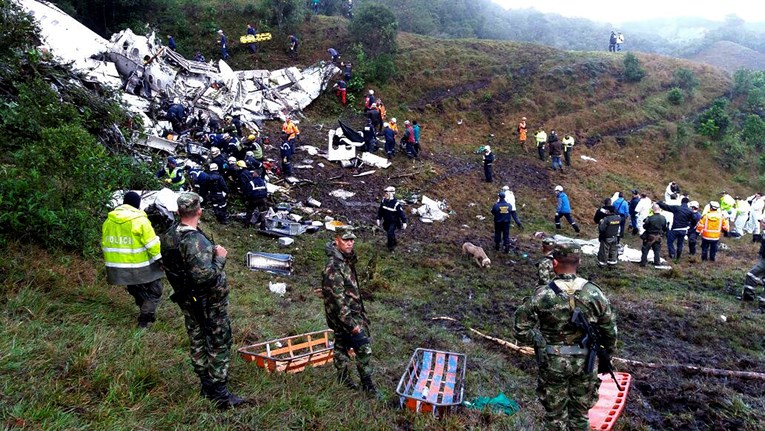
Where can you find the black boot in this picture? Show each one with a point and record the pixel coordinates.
(346, 380)
(757, 237)
(223, 398)
(207, 390)
(576, 227)
(369, 387)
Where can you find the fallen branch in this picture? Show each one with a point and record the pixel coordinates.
(695, 370)
(512, 346)
(411, 174)
(677, 367)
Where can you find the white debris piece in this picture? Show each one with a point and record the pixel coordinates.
(376, 161)
(278, 288)
(67, 39)
(432, 210)
(310, 149)
(286, 241)
(342, 194)
(587, 158)
(339, 147)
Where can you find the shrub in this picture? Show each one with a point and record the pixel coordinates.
(685, 79)
(633, 70)
(675, 96)
(374, 26)
(714, 122)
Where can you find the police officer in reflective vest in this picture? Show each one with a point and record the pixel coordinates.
(608, 235)
(132, 256)
(391, 215)
(501, 211)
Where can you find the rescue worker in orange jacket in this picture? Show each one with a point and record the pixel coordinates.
(522, 133)
(711, 225)
(292, 132)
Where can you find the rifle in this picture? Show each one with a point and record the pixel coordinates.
(591, 341)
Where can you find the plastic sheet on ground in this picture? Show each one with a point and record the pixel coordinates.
(376, 161)
(342, 194)
(431, 210)
(591, 247)
(501, 403)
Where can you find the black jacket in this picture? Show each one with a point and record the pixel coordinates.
(683, 215)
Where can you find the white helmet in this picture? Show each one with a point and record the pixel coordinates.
(371, 92)
(213, 167)
(177, 100)
(215, 151)
(385, 124)
(487, 148)
(558, 188)
(693, 204)
(232, 160)
(393, 120)
(390, 189)
(249, 154)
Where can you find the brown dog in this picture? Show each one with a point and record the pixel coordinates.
(478, 254)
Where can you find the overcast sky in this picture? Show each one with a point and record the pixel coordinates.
(618, 11)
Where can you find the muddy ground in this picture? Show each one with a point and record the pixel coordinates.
(668, 399)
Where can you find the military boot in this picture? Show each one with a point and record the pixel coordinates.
(345, 378)
(224, 399)
(756, 237)
(369, 387)
(207, 387)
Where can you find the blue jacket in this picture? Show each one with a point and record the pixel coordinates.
(501, 211)
(621, 207)
(390, 135)
(564, 207)
(416, 129)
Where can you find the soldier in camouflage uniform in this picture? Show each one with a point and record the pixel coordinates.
(566, 390)
(194, 268)
(344, 310)
(545, 272)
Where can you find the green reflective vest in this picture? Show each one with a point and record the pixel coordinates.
(130, 247)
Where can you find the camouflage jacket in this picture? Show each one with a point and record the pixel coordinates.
(547, 314)
(340, 287)
(194, 262)
(545, 272)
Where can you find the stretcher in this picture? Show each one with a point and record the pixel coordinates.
(433, 381)
(292, 354)
(611, 401)
(250, 38)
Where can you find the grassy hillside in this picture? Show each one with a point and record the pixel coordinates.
(731, 57)
(71, 358)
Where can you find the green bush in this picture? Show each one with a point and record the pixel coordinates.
(685, 79)
(675, 96)
(633, 70)
(714, 122)
(375, 27)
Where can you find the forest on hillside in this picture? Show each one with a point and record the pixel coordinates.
(480, 19)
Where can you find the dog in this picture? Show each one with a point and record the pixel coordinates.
(478, 254)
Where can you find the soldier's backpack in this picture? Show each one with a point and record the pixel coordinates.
(172, 260)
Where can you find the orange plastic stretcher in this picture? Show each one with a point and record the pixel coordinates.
(433, 381)
(611, 401)
(292, 354)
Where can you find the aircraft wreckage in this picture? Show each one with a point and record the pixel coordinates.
(145, 69)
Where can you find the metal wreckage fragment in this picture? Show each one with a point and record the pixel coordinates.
(143, 68)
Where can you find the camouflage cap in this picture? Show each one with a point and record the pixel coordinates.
(188, 201)
(566, 249)
(345, 232)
